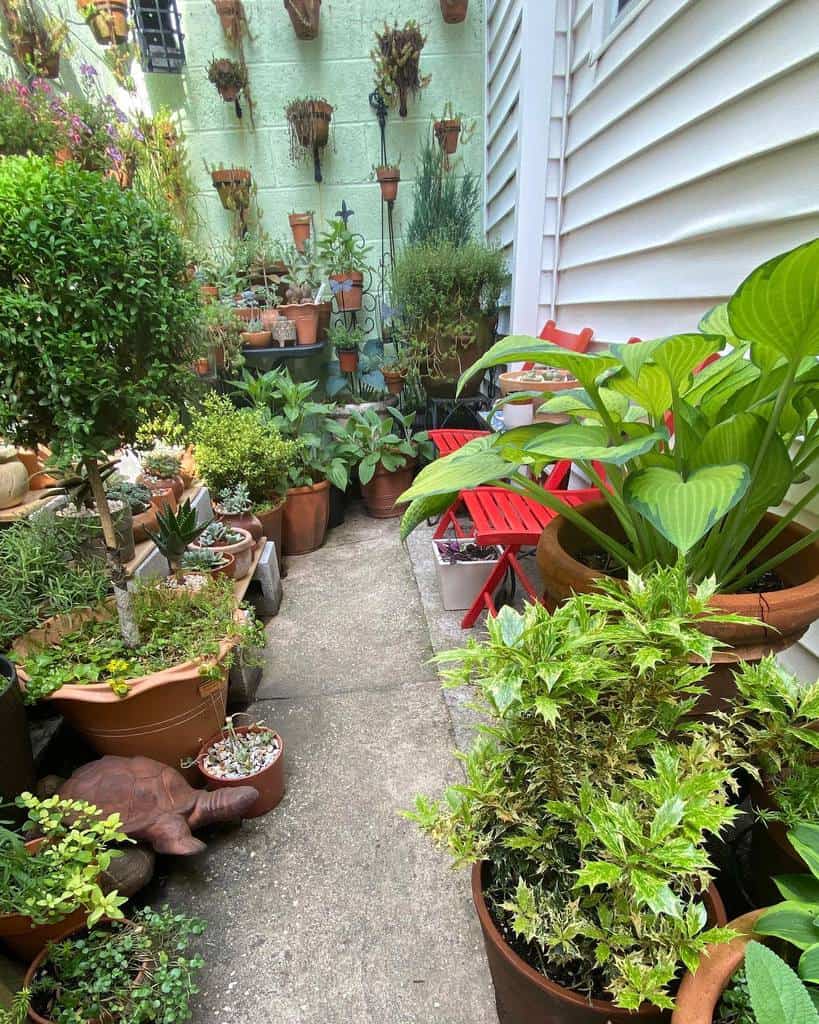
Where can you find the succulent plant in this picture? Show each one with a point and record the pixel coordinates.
(161, 463)
(176, 531)
(203, 559)
(235, 500)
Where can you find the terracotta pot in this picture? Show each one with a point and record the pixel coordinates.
(202, 366)
(338, 507)
(349, 300)
(511, 382)
(388, 179)
(162, 483)
(305, 315)
(242, 552)
(247, 521)
(524, 996)
(16, 761)
(272, 521)
(348, 361)
(700, 992)
(167, 714)
(269, 781)
(447, 133)
(38, 478)
(228, 568)
(300, 224)
(233, 187)
(109, 23)
(163, 498)
(313, 129)
(229, 12)
(305, 15)
(245, 313)
(395, 380)
(454, 11)
(306, 515)
(13, 483)
(209, 292)
(325, 313)
(450, 368)
(381, 493)
(256, 339)
(26, 940)
(268, 317)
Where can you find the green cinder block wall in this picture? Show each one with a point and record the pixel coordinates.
(336, 66)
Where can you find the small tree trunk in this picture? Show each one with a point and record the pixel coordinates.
(122, 596)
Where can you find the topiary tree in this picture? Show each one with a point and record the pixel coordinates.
(97, 322)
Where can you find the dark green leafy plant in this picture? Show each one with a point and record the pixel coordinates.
(385, 440)
(445, 203)
(340, 251)
(177, 529)
(136, 971)
(735, 1005)
(345, 339)
(63, 875)
(776, 994)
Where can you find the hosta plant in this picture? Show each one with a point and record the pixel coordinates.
(587, 792)
(744, 429)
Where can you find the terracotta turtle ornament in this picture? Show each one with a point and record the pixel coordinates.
(154, 801)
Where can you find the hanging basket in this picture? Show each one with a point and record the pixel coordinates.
(447, 133)
(309, 123)
(109, 22)
(454, 11)
(388, 179)
(305, 15)
(233, 186)
(32, 58)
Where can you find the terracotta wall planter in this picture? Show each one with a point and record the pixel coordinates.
(524, 996)
(233, 186)
(269, 781)
(305, 315)
(349, 296)
(388, 179)
(454, 11)
(381, 493)
(305, 16)
(447, 133)
(300, 226)
(306, 515)
(167, 715)
(109, 23)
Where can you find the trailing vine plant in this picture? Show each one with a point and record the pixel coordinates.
(308, 121)
(231, 80)
(397, 56)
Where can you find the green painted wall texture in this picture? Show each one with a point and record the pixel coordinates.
(336, 66)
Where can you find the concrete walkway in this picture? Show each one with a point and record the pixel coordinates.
(333, 909)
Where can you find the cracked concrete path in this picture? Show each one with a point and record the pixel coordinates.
(333, 908)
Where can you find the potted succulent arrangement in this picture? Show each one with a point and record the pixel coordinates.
(300, 225)
(308, 121)
(462, 568)
(161, 469)
(343, 255)
(229, 540)
(107, 19)
(235, 507)
(230, 78)
(137, 498)
(51, 884)
(704, 499)
(207, 562)
(245, 755)
(124, 970)
(389, 176)
(13, 477)
(454, 11)
(389, 452)
(304, 15)
(255, 335)
(347, 342)
(396, 56)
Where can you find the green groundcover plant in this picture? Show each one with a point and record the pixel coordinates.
(745, 428)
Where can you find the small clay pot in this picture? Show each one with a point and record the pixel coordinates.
(242, 552)
(164, 498)
(300, 225)
(256, 339)
(241, 521)
(349, 298)
(454, 11)
(388, 179)
(306, 515)
(395, 380)
(305, 315)
(268, 317)
(162, 483)
(447, 133)
(381, 493)
(269, 781)
(348, 361)
(144, 521)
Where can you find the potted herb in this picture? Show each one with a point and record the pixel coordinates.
(107, 19)
(308, 121)
(388, 451)
(13, 478)
(255, 336)
(177, 529)
(162, 468)
(138, 499)
(396, 56)
(347, 342)
(119, 971)
(300, 225)
(229, 540)
(235, 507)
(233, 185)
(462, 568)
(245, 755)
(454, 11)
(343, 255)
(51, 883)
(115, 695)
(388, 175)
(230, 78)
(304, 15)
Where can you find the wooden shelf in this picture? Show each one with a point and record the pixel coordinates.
(32, 501)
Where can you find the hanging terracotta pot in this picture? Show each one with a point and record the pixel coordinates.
(202, 366)
(31, 56)
(381, 493)
(109, 22)
(447, 133)
(388, 178)
(395, 380)
(230, 15)
(300, 224)
(454, 11)
(305, 315)
(305, 15)
(350, 290)
(306, 515)
(348, 361)
(233, 186)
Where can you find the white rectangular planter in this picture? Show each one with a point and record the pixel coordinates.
(460, 582)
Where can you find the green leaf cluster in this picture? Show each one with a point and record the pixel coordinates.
(445, 203)
(378, 440)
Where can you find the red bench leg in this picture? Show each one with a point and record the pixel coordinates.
(449, 518)
(488, 589)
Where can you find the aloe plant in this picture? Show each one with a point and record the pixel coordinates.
(744, 429)
(176, 531)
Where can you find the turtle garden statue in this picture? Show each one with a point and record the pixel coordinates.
(154, 801)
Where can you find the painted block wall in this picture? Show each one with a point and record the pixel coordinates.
(336, 66)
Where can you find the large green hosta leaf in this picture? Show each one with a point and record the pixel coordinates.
(589, 442)
(478, 462)
(717, 321)
(520, 348)
(650, 388)
(777, 305)
(685, 510)
(681, 354)
(578, 403)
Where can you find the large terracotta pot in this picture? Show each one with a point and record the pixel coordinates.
(23, 938)
(13, 482)
(269, 782)
(700, 992)
(167, 715)
(450, 368)
(305, 315)
(524, 996)
(381, 493)
(348, 299)
(306, 515)
(272, 521)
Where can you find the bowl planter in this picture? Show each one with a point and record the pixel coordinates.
(300, 225)
(515, 380)
(305, 16)
(233, 186)
(166, 715)
(454, 11)
(247, 521)
(348, 360)
(350, 292)
(305, 315)
(256, 339)
(162, 483)
(381, 493)
(241, 550)
(388, 179)
(269, 780)
(109, 22)
(460, 582)
(13, 481)
(16, 761)
(306, 515)
(395, 380)
(524, 996)
(447, 133)
(700, 992)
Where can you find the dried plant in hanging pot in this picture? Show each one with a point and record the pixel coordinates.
(397, 56)
(107, 19)
(232, 16)
(308, 121)
(305, 15)
(36, 37)
(230, 78)
(233, 185)
(454, 11)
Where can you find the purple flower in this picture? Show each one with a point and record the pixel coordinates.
(88, 70)
(137, 134)
(114, 154)
(111, 131)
